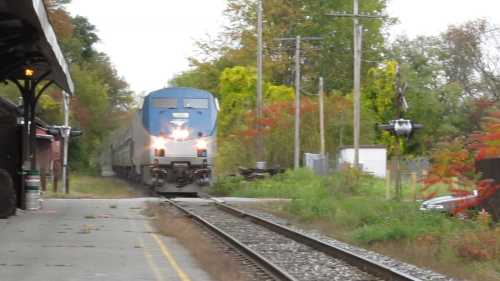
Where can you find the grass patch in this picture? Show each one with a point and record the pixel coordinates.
(352, 207)
(83, 186)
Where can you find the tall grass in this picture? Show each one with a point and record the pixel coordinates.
(353, 202)
(84, 186)
(353, 207)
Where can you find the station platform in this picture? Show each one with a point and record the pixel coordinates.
(91, 239)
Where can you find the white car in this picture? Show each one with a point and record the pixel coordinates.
(447, 203)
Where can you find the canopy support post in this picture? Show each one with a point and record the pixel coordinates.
(30, 97)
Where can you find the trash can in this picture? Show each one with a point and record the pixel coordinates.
(32, 190)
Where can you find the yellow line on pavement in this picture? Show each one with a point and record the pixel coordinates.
(151, 262)
(170, 258)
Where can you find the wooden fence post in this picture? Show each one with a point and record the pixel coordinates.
(388, 184)
(414, 185)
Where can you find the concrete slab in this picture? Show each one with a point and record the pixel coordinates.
(76, 240)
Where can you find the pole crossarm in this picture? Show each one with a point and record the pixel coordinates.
(359, 16)
(306, 38)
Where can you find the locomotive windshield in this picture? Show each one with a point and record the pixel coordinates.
(196, 103)
(165, 103)
(164, 109)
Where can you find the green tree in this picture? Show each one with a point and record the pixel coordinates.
(379, 98)
(448, 84)
(89, 108)
(236, 93)
(99, 92)
(331, 57)
(86, 34)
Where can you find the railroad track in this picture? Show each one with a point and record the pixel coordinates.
(282, 253)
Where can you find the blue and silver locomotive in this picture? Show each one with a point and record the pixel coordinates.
(171, 141)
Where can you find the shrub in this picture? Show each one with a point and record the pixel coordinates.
(354, 203)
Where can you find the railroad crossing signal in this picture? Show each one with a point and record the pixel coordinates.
(401, 127)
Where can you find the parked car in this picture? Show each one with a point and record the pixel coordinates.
(448, 203)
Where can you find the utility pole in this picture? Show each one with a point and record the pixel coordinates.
(297, 40)
(401, 107)
(322, 117)
(296, 154)
(358, 35)
(357, 53)
(259, 141)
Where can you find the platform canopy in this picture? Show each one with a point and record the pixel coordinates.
(27, 40)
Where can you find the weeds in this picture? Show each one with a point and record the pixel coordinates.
(353, 207)
(96, 187)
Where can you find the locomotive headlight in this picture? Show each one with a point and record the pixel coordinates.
(201, 144)
(158, 142)
(180, 134)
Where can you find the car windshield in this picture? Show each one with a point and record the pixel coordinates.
(165, 102)
(196, 103)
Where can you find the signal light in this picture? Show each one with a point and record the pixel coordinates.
(401, 127)
(158, 142)
(201, 144)
(201, 153)
(159, 152)
(29, 72)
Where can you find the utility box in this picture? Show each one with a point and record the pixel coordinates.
(372, 159)
(316, 162)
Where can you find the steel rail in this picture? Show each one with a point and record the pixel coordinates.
(271, 269)
(372, 267)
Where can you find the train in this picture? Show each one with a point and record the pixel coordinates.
(170, 143)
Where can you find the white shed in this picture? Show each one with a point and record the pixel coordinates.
(372, 158)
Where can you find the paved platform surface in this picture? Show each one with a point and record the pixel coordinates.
(86, 239)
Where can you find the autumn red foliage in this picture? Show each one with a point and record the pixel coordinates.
(454, 163)
(81, 112)
(277, 115)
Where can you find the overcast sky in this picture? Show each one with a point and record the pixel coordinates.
(150, 40)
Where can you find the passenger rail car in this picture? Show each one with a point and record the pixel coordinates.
(170, 143)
